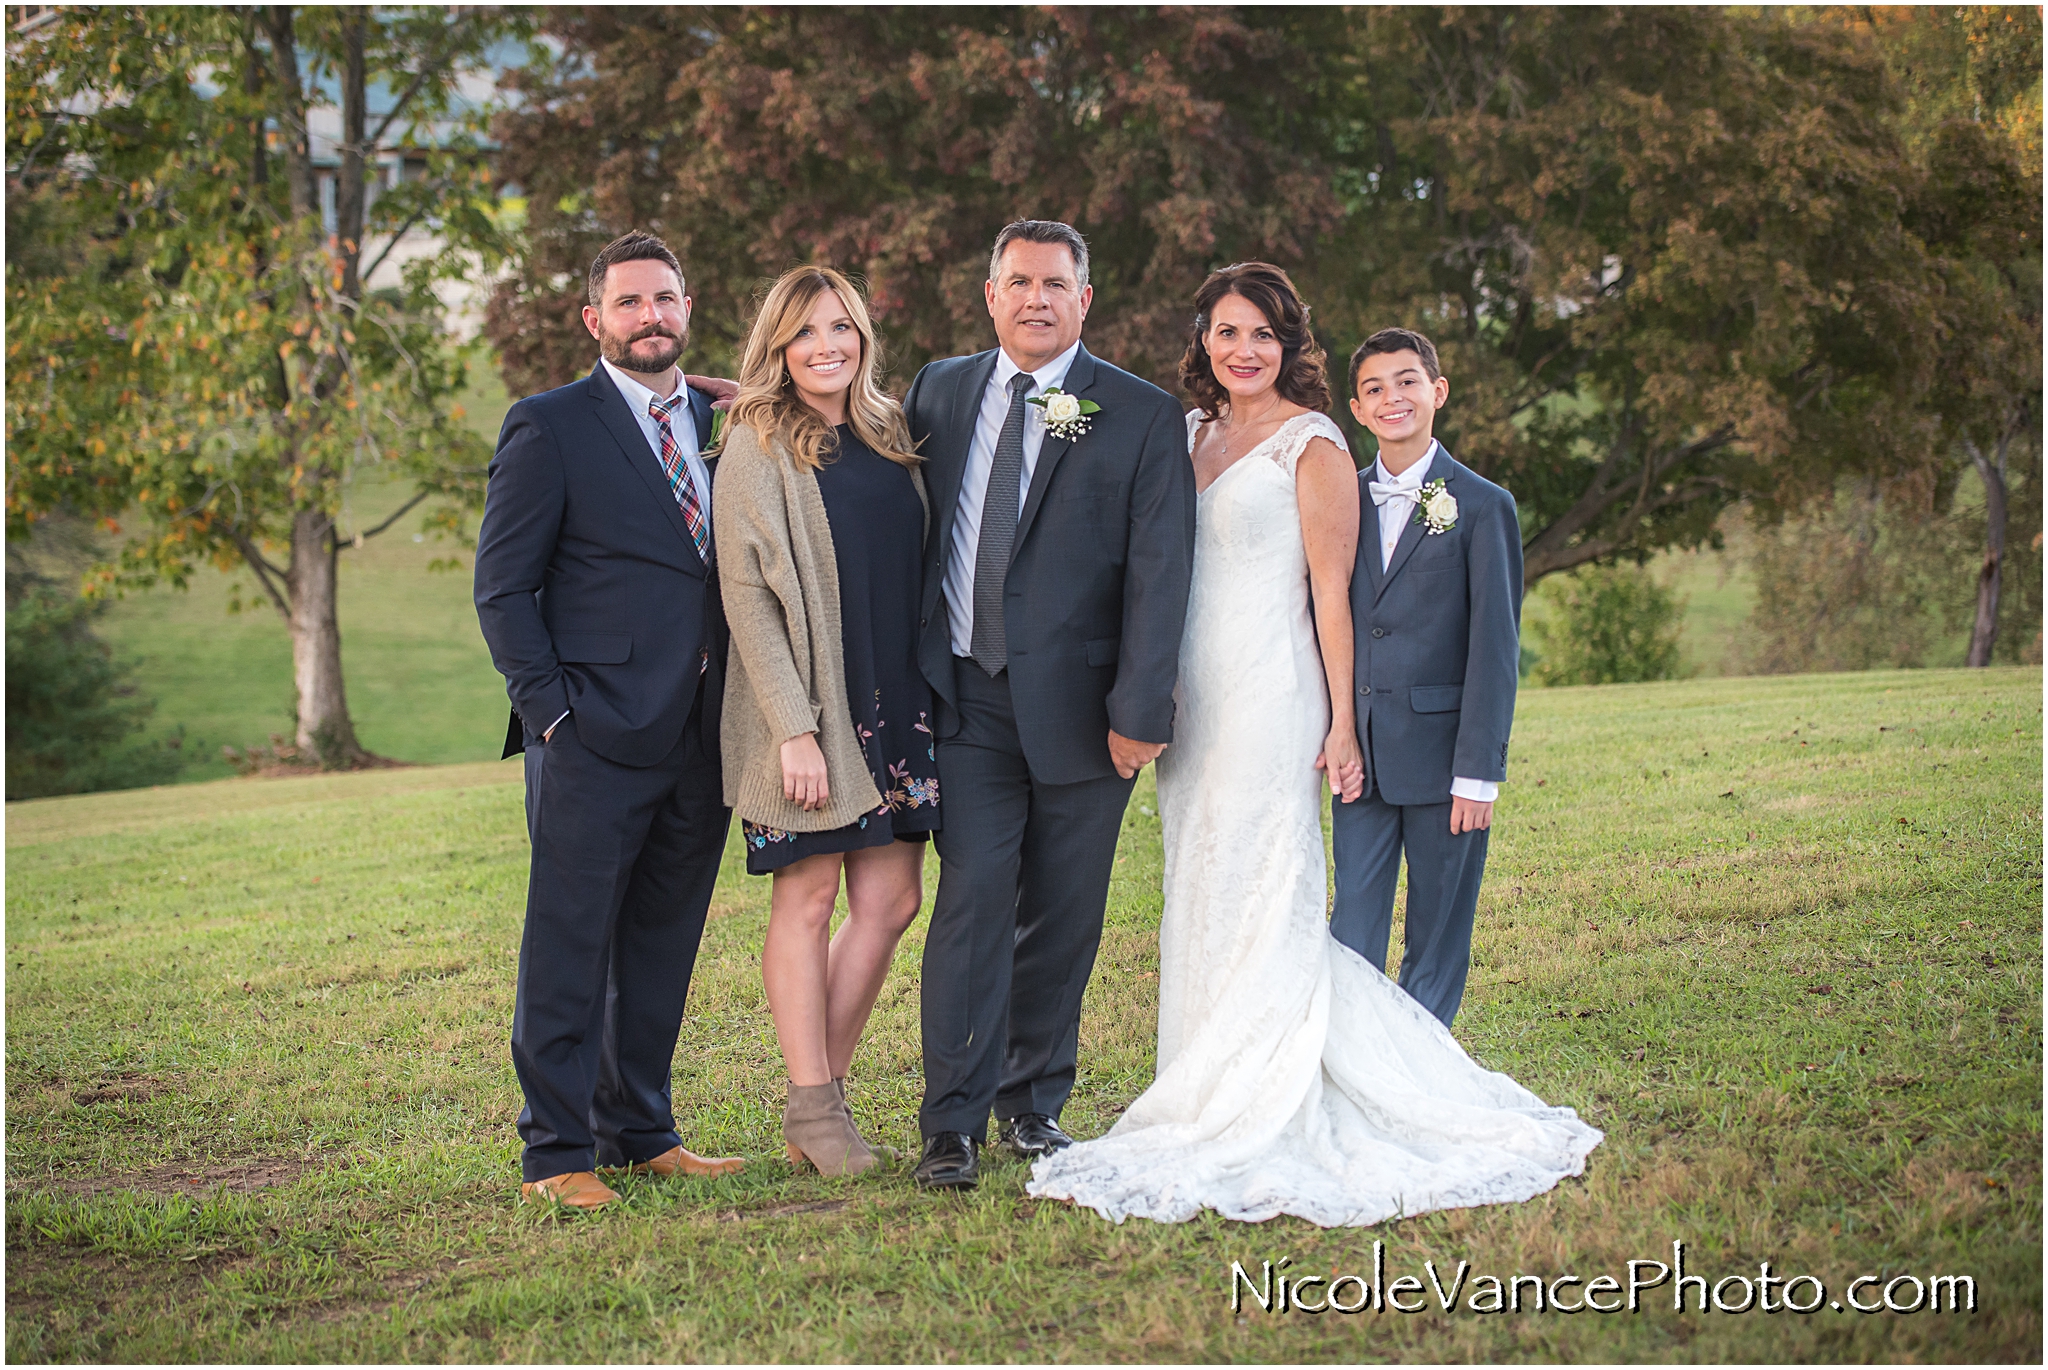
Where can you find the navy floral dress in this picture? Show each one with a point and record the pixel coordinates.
(877, 525)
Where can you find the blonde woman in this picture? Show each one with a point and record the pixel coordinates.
(826, 736)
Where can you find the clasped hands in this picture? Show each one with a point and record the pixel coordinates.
(1347, 782)
(1129, 756)
(1342, 764)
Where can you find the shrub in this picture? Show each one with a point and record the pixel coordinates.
(72, 714)
(1605, 625)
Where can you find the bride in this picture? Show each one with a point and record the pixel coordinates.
(1293, 1077)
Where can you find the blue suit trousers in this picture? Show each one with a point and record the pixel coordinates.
(1368, 836)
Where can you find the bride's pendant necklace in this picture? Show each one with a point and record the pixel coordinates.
(1230, 427)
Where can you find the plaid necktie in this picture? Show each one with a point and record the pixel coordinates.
(679, 481)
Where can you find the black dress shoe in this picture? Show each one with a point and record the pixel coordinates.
(1032, 1135)
(950, 1161)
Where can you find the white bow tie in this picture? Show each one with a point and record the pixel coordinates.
(1407, 484)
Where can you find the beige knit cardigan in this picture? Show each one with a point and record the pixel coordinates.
(786, 673)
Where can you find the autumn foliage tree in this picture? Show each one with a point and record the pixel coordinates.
(894, 142)
(1665, 251)
(193, 358)
(1676, 258)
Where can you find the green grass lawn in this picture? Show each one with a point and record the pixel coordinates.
(1779, 937)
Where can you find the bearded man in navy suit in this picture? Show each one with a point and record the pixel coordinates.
(596, 587)
(1436, 606)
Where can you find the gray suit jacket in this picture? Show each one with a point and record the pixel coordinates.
(1097, 593)
(1438, 642)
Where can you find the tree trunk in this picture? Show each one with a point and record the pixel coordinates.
(1992, 471)
(350, 189)
(298, 140)
(1637, 483)
(325, 732)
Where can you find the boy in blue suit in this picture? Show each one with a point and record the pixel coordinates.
(1436, 602)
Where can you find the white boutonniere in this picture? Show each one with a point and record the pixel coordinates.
(1436, 508)
(1066, 416)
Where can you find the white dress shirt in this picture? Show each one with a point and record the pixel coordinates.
(1395, 516)
(683, 424)
(981, 455)
(1399, 510)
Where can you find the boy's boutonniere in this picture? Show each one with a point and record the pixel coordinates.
(1066, 416)
(1436, 508)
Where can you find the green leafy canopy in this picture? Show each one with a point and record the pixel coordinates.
(191, 354)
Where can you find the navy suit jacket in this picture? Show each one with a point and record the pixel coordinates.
(1097, 593)
(1438, 641)
(590, 591)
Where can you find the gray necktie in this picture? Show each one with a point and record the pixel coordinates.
(999, 508)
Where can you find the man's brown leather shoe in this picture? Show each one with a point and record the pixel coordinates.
(682, 1161)
(577, 1189)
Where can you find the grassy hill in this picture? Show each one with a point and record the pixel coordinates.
(420, 682)
(1780, 938)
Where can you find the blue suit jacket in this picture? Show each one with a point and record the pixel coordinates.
(591, 594)
(1438, 641)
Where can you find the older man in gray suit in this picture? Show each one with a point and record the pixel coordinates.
(1056, 587)
(1436, 604)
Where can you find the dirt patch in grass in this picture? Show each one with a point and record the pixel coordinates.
(236, 1177)
(373, 1294)
(740, 1215)
(129, 1088)
(282, 759)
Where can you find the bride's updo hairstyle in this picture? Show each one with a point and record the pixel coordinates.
(768, 402)
(1267, 289)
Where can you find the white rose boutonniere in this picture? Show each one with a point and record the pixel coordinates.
(1066, 416)
(1436, 508)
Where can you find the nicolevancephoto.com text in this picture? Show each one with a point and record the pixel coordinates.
(1463, 1289)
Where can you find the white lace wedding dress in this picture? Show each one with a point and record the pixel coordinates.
(1292, 1076)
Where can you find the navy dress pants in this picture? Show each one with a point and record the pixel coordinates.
(1368, 836)
(624, 862)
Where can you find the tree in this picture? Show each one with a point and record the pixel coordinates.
(1670, 254)
(193, 351)
(1662, 251)
(1973, 77)
(894, 143)
(72, 710)
(1861, 581)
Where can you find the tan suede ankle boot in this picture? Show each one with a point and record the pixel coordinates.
(884, 1154)
(817, 1128)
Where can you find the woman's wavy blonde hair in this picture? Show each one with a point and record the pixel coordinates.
(768, 401)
